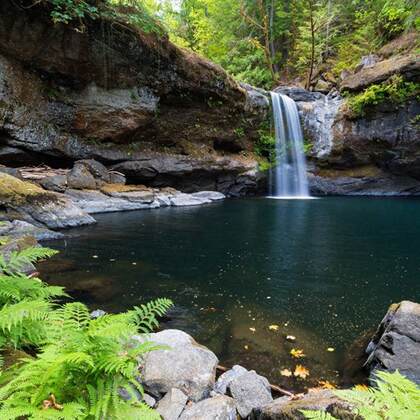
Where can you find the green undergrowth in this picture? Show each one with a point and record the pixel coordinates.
(77, 367)
(395, 90)
(394, 398)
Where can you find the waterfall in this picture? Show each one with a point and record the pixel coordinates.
(288, 179)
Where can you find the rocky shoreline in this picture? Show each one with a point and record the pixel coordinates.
(182, 381)
(38, 201)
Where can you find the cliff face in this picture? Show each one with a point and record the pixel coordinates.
(377, 152)
(123, 97)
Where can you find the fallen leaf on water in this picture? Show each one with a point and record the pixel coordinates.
(252, 329)
(286, 372)
(326, 385)
(330, 349)
(298, 353)
(361, 387)
(301, 372)
(273, 327)
(291, 338)
(246, 347)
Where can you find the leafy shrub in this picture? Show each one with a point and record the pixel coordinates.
(266, 146)
(395, 397)
(393, 18)
(395, 89)
(83, 366)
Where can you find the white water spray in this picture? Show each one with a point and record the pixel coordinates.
(288, 179)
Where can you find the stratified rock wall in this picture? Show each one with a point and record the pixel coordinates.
(118, 95)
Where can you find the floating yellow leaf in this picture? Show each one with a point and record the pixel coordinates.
(290, 337)
(326, 385)
(286, 372)
(361, 387)
(301, 372)
(330, 349)
(252, 329)
(273, 327)
(246, 347)
(298, 353)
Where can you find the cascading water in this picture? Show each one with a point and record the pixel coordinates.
(288, 179)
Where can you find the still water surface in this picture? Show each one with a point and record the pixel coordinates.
(323, 271)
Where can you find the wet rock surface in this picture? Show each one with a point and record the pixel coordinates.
(396, 343)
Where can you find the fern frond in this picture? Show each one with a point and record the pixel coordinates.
(18, 259)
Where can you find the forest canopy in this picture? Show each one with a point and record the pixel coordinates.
(263, 42)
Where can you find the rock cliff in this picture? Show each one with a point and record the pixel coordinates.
(124, 97)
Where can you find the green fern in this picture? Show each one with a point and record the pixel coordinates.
(83, 362)
(18, 259)
(394, 398)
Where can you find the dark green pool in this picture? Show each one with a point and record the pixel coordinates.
(322, 270)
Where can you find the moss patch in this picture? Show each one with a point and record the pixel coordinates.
(14, 192)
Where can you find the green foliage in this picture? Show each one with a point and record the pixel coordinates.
(266, 146)
(64, 11)
(394, 89)
(394, 397)
(82, 364)
(18, 259)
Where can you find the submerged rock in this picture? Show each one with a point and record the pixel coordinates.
(396, 343)
(185, 365)
(219, 407)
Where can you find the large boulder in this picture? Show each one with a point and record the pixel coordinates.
(286, 408)
(219, 407)
(29, 202)
(185, 365)
(396, 343)
(80, 178)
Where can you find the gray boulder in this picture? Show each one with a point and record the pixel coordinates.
(80, 178)
(97, 170)
(19, 228)
(182, 200)
(185, 365)
(172, 404)
(219, 407)
(396, 343)
(250, 391)
(57, 183)
(209, 195)
(97, 202)
(226, 378)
